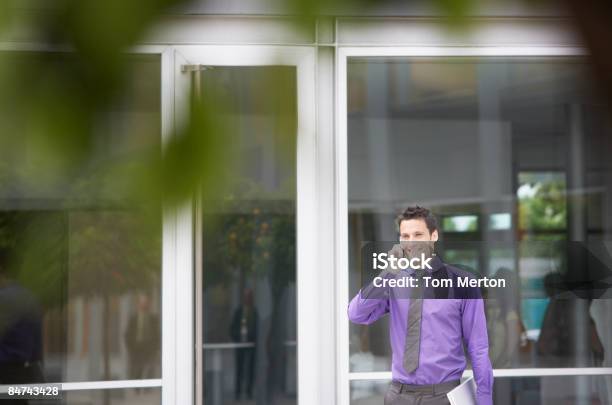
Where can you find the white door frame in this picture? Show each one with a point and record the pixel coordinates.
(344, 376)
(178, 367)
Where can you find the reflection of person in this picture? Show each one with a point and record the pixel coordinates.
(427, 335)
(568, 338)
(244, 330)
(20, 332)
(557, 344)
(505, 326)
(601, 311)
(142, 339)
(363, 360)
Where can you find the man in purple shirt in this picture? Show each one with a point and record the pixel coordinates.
(427, 333)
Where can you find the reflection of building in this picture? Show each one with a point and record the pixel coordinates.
(498, 131)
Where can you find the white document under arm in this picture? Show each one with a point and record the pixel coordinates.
(464, 393)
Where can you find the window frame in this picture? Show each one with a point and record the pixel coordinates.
(535, 47)
(165, 123)
(187, 326)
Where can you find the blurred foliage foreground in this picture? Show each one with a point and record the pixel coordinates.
(84, 172)
(61, 147)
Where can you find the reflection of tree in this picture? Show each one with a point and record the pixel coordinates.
(253, 239)
(110, 253)
(252, 243)
(36, 241)
(545, 209)
(250, 230)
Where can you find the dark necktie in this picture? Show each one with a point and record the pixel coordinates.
(413, 332)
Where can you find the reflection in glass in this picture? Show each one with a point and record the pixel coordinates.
(80, 263)
(460, 223)
(507, 339)
(248, 246)
(566, 390)
(500, 221)
(20, 329)
(490, 145)
(542, 205)
(368, 392)
(127, 396)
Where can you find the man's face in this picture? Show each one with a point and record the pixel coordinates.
(415, 238)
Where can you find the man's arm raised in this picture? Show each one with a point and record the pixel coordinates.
(372, 302)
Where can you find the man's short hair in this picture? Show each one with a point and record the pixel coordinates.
(417, 212)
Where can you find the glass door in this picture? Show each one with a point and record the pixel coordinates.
(246, 227)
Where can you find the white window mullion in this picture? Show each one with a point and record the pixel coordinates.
(178, 348)
(501, 372)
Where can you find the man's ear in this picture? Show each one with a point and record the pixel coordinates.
(434, 236)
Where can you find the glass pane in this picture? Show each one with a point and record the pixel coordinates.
(80, 267)
(460, 223)
(555, 390)
(368, 392)
(566, 390)
(508, 153)
(542, 202)
(122, 396)
(249, 243)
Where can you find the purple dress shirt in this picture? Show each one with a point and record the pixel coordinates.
(445, 324)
